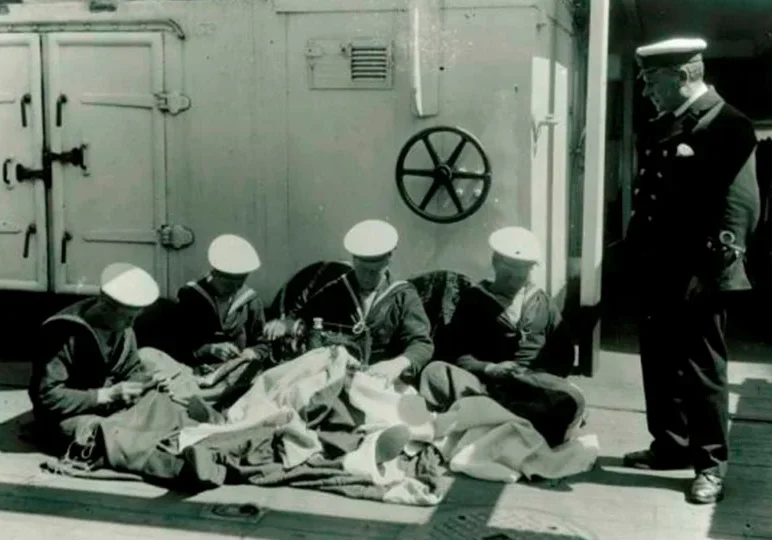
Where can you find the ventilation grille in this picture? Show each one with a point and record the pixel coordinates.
(350, 64)
(369, 63)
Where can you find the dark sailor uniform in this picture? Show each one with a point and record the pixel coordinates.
(394, 324)
(202, 321)
(484, 329)
(73, 360)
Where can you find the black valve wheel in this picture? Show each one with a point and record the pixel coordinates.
(443, 174)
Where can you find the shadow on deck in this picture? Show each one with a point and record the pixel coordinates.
(469, 512)
(746, 509)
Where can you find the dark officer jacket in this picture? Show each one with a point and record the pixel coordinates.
(696, 199)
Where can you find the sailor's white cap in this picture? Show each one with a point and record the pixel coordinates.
(129, 285)
(516, 243)
(231, 254)
(670, 52)
(371, 239)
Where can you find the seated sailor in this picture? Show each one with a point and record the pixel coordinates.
(383, 316)
(87, 366)
(508, 341)
(220, 329)
(221, 317)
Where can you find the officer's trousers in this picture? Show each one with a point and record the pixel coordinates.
(684, 362)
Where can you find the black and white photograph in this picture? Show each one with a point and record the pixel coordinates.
(385, 269)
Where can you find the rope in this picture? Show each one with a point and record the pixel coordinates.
(79, 461)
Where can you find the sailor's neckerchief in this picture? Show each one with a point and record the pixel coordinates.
(242, 297)
(359, 319)
(513, 311)
(110, 355)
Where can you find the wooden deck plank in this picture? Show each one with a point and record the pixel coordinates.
(619, 385)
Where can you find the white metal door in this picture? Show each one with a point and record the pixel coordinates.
(100, 102)
(23, 234)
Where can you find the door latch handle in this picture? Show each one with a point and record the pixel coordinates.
(66, 237)
(32, 229)
(14, 173)
(60, 101)
(25, 100)
(84, 159)
(9, 173)
(77, 156)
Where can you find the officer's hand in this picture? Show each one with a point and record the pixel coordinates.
(695, 289)
(502, 370)
(275, 329)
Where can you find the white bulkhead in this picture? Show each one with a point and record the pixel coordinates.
(277, 120)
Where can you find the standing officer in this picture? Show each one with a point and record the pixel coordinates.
(696, 203)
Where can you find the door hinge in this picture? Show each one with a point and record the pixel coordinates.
(172, 102)
(175, 236)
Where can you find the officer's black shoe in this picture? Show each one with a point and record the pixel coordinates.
(706, 488)
(655, 461)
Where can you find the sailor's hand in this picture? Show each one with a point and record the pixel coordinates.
(220, 351)
(275, 329)
(353, 365)
(502, 370)
(248, 354)
(164, 381)
(181, 399)
(164, 384)
(129, 391)
(205, 381)
(389, 369)
(126, 392)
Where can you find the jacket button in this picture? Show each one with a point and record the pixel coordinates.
(653, 197)
(642, 171)
(664, 153)
(636, 191)
(659, 175)
(648, 218)
(648, 152)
